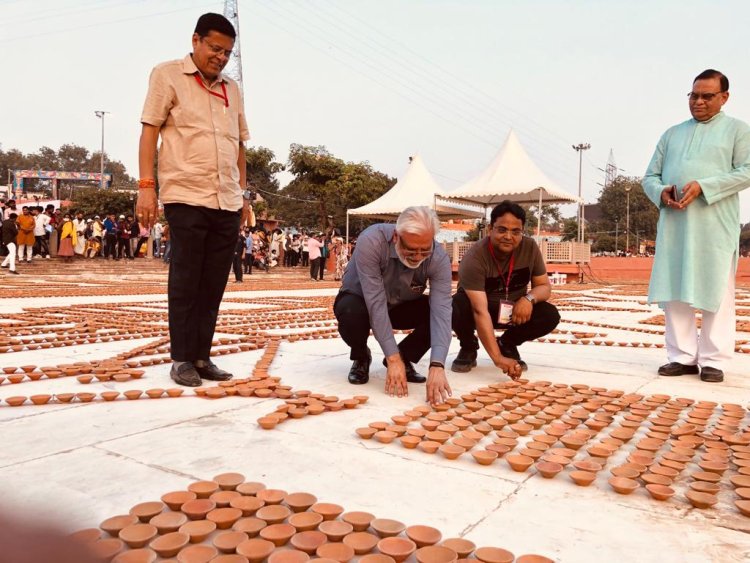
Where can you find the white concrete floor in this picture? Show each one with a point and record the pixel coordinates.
(81, 463)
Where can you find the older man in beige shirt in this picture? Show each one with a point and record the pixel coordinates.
(199, 115)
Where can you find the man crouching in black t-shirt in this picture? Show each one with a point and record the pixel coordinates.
(493, 281)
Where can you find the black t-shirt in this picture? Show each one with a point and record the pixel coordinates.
(479, 271)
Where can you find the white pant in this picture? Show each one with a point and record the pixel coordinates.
(29, 250)
(10, 259)
(715, 346)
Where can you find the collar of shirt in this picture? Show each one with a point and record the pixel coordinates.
(714, 118)
(188, 67)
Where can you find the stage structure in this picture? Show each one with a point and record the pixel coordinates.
(55, 176)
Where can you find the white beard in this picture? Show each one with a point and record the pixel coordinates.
(405, 262)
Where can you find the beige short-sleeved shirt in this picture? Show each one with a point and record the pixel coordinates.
(200, 136)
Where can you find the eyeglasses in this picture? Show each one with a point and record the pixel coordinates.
(503, 230)
(705, 97)
(406, 251)
(217, 49)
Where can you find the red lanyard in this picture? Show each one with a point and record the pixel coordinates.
(223, 89)
(499, 270)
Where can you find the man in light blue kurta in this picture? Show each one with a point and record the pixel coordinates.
(707, 160)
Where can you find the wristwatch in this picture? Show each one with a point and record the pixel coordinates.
(531, 298)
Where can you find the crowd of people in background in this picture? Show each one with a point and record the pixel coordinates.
(291, 248)
(35, 232)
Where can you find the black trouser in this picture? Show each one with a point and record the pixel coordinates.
(202, 243)
(248, 262)
(544, 318)
(237, 266)
(110, 240)
(123, 247)
(295, 258)
(42, 247)
(305, 259)
(315, 268)
(354, 325)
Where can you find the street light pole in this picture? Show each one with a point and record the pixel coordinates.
(579, 148)
(627, 221)
(100, 114)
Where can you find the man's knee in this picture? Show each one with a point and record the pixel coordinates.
(549, 316)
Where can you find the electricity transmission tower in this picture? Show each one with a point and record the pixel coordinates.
(234, 67)
(610, 172)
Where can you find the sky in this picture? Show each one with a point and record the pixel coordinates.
(380, 80)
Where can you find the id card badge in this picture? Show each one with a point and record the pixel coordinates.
(505, 314)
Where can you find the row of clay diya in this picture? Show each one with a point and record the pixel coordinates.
(106, 396)
(311, 404)
(230, 520)
(439, 427)
(631, 343)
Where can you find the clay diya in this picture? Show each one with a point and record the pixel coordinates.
(176, 499)
(451, 451)
(249, 525)
(548, 469)
(305, 521)
(145, 511)
(519, 463)
(485, 457)
(336, 551)
(15, 401)
(743, 506)
(701, 500)
(198, 508)
(40, 399)
(660, 492)
(461, 546)
(494, 555)
(423, 535)
(273, 513)
(360, 521)
(197, 553)
(256, 550)
(386, 527)
(582, 478)
(170, 544)
(327, 510)
(114, 524)
(278, 534)
(335, 530)
(167, 522)
(398, 548)
(308, 541)
(138, 535)
(300, 502)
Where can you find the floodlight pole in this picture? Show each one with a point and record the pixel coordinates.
(100, 114)
(627, 220)
(579, 148)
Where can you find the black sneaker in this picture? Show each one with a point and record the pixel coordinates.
(186, 375)
(210, 371)
(360, 372)
(466, 359)
(511, 351)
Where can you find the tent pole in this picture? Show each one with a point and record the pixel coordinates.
(539, 223)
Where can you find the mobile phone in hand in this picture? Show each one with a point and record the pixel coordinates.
(673, 193)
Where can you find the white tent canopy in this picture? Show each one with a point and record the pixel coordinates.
(511, 175)
(415, 187)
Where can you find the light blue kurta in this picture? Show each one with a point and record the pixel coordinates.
(696, 248)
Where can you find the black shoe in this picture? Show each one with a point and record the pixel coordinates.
(511, 351)
(210, 371)
(411, 374)
(13, 272)
(186, 374)
(360, 372)
(711, 375)
(466, 359)
(673, 369)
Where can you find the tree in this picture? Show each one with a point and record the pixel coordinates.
(570, 229)
(326, 186)
(643, 213)
(94, 201)
(551, 218)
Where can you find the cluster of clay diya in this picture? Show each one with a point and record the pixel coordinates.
(661, 441)
(229, 520)
(306, 403)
